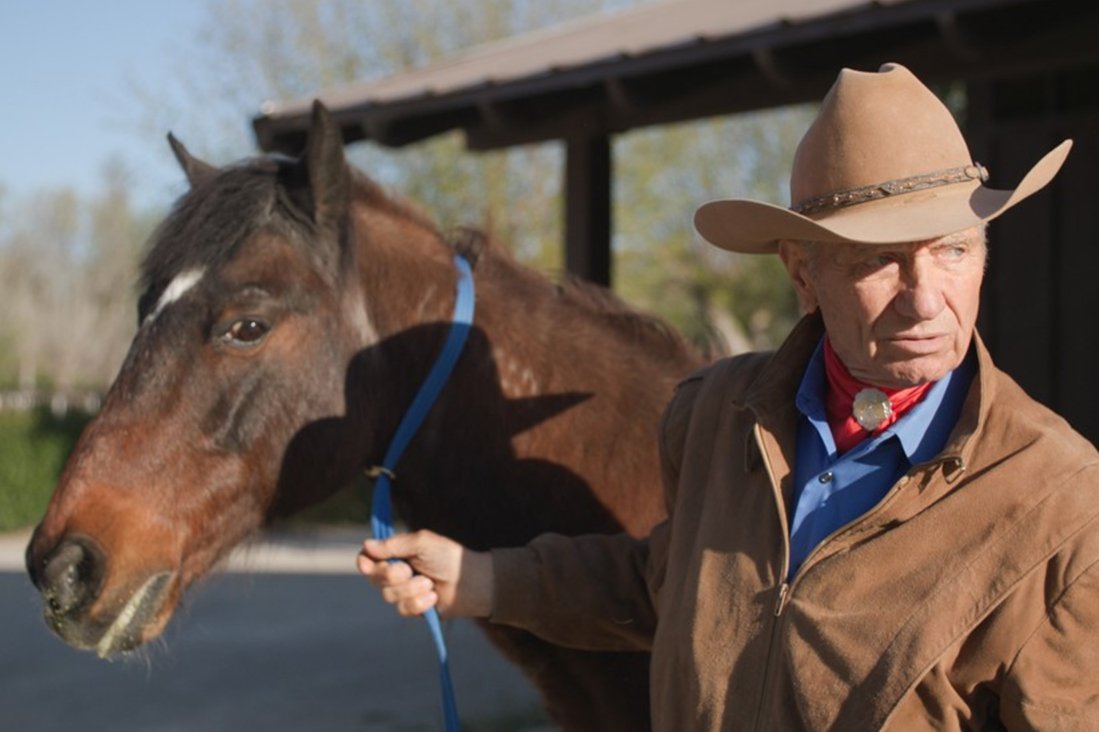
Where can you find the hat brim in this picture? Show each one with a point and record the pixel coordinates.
(754, 227)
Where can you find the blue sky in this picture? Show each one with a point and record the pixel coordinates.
(64, 68)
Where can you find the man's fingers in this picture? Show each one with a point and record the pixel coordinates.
(418, 605)
(388, 566)
(411, 594)
(400, 546)
(384, 572)
(444, 565)
(413, 588)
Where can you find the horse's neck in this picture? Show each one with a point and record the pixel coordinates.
(409, 285)
(529, 422)
(407, 276)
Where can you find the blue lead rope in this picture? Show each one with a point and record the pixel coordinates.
(381, 519)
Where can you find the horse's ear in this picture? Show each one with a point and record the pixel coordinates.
(195, 169)
(326, 169)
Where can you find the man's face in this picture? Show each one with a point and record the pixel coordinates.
(897, 314)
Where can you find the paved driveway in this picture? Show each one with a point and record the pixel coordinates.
(273, 648)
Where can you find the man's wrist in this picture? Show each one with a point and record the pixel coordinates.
(478, 584)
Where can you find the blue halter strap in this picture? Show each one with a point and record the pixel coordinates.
(381, 519)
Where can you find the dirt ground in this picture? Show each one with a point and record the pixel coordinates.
(286, 638)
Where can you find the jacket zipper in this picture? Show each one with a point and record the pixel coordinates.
(880, 506)
(788, 587)
(783, 591)
(784, 587)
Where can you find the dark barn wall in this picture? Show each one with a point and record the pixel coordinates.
(1041, 300)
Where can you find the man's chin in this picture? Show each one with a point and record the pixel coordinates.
(906, 373)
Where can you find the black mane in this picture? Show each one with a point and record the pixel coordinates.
(209, 223)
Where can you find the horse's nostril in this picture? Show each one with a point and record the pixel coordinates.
(71, 576)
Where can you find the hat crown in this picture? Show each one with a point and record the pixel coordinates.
(873, 128)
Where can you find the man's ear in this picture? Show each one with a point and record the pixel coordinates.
(796, 256)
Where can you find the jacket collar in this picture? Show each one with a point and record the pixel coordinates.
(958, 453)
(771, 395)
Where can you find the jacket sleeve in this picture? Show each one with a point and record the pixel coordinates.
(1053, 683)
(594, 592)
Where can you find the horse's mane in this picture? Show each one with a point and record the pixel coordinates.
(375, 195)
(650, 332)
(208, 225)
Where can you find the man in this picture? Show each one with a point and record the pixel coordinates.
(871, 527)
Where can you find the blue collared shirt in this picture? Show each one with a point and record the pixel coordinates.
(830, 490)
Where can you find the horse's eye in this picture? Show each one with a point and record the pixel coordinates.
(247, 332)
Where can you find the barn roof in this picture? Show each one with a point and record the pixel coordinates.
(677, 59)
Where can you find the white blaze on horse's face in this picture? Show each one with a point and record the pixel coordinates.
(176, 289)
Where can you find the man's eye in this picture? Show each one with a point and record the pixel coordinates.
(246, 332)
(878, 261)
(951, 252)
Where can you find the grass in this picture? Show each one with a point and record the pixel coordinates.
(33, 448)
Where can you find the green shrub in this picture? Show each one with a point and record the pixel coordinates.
(33, 449)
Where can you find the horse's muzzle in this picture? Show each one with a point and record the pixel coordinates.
(70, 577)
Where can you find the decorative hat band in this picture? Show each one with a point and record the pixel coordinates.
(850, 197)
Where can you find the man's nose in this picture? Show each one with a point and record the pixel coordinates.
(921, 291)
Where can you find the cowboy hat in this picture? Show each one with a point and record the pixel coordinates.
(884, 162)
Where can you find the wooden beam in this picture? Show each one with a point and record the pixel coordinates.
(588, 207)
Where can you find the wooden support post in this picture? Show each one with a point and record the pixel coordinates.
(588, 207)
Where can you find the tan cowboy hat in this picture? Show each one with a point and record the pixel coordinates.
(884, 162)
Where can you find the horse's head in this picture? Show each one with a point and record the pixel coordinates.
(244, 338)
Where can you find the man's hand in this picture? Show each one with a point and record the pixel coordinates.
(434, 572)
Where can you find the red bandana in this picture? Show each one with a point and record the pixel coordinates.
(840, 394)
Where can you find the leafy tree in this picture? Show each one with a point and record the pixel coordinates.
(253, 50)
(117, 233)
(741, 301)
(36, 278)
(67, 276)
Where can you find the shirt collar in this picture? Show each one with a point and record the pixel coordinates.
(921, 432)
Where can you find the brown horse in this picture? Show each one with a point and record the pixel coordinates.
(290, 310)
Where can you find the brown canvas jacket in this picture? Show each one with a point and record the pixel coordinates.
(967, 599)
